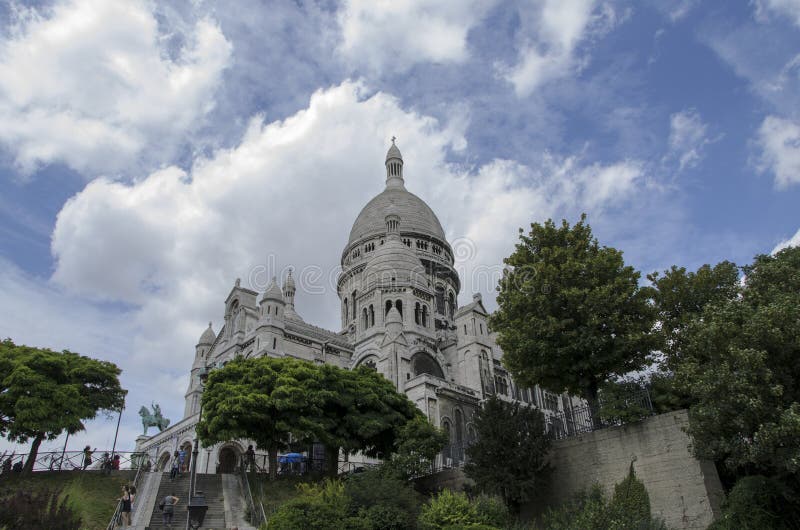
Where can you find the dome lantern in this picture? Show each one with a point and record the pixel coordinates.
(394, 167)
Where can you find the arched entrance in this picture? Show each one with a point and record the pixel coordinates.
(163, 462)
(186, 447)
(227, 460)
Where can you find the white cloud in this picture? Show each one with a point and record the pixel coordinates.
(91, 83)
(142, 266)
(388, 35)
(793, 241)
(688, 135)
(551, 34)
(779, 140)
(786, 8)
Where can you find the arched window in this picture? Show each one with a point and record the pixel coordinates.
(451, 305)
(423, 363)
(440, 300)
(399, 305)
(371, 315)
(388, 307)
(459, 435)
(417, 314)
(447, 451)
(424, 316)
(346, 310)
(355, 309)
(364, 319)
(481, 324)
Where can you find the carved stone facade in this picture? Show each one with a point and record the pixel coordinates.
(399, 315)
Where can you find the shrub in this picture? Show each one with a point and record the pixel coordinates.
(450, 510)
(383, 499)
(318, 506)
(32, 510)
(447, 509)
(630, 505)
(629, 509)
(757, 502)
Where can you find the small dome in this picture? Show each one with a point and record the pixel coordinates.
(208, 336)
(393, 317)
(273, 292)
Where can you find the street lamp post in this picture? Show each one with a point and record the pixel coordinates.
(197, 503)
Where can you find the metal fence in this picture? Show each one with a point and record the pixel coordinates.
(74, 460)
(574, 421)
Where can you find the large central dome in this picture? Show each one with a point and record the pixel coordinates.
(415, 214)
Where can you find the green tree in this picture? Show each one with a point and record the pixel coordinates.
(358, 410)
(419, 442)
(571, 313)
(262, 399)
(508, 458)
(267, 399)
(738, 362)
(44, 393)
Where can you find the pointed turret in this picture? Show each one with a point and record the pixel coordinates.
(288, 297)
(208, 337)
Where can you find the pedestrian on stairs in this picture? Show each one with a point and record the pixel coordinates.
(169, 503)
(174, 471)
(125, 511)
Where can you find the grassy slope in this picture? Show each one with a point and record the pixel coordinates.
(90, 494)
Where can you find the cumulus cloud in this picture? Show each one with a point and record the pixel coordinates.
(688, 136)
(94, 84)
(779, 140)
(787, 8)
(793, 241)
(550, 39)
(171, 243)
(384, 34)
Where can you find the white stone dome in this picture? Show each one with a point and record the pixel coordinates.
(416, 215)
(208, 336)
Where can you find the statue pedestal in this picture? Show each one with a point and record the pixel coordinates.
(140, 440)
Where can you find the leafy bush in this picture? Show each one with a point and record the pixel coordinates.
(630, 505)
(319, 507)
(27, 510)
(383, 499)
(757, 502)
(629, 509)
(450, 510)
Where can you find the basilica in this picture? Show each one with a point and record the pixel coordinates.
(399, 315)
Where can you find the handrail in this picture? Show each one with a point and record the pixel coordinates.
(72, 460)
(257, 516)
(118, 511)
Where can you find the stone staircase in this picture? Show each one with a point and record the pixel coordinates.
(210, 485)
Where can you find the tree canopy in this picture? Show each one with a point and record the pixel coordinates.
(508, 458)
(44, 393)
(267, 399)
(738, 362)
(571, 313)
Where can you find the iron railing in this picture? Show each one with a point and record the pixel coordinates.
(255, 509)
(73, 460)
(118, 511)
(574, 421)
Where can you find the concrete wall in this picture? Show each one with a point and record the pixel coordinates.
(684, 491)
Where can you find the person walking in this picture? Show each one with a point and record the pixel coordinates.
(174, 471)
(250, 459)
(125, 511)
(169, 503)
(87, 456)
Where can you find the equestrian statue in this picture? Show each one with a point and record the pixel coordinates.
(154, 419)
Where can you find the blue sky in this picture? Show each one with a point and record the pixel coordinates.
(151, 153)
